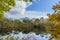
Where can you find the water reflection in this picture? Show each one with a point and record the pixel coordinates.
(21, 36)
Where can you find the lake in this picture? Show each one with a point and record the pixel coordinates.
(22, 36)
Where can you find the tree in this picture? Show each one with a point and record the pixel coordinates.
(56, 7)
(55, 19)
(5, 5)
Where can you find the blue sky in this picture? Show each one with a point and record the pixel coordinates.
(36, 9)
(42, 5)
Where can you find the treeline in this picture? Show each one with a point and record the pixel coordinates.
(25, 26)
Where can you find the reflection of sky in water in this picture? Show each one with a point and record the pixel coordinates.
(30, 36)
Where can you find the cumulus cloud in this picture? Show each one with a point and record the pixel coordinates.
(20, 8)
(29, 14)
(36, 14)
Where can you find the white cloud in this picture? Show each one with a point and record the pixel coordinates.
(30, 14)
(36, 14)
(20, 8)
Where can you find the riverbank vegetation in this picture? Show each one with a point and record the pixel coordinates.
(26, 26)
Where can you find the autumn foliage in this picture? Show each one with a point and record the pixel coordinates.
(55, 19)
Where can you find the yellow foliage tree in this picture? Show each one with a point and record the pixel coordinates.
(55, 19)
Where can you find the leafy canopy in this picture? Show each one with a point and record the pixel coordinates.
(55, 19)
(5, 5)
